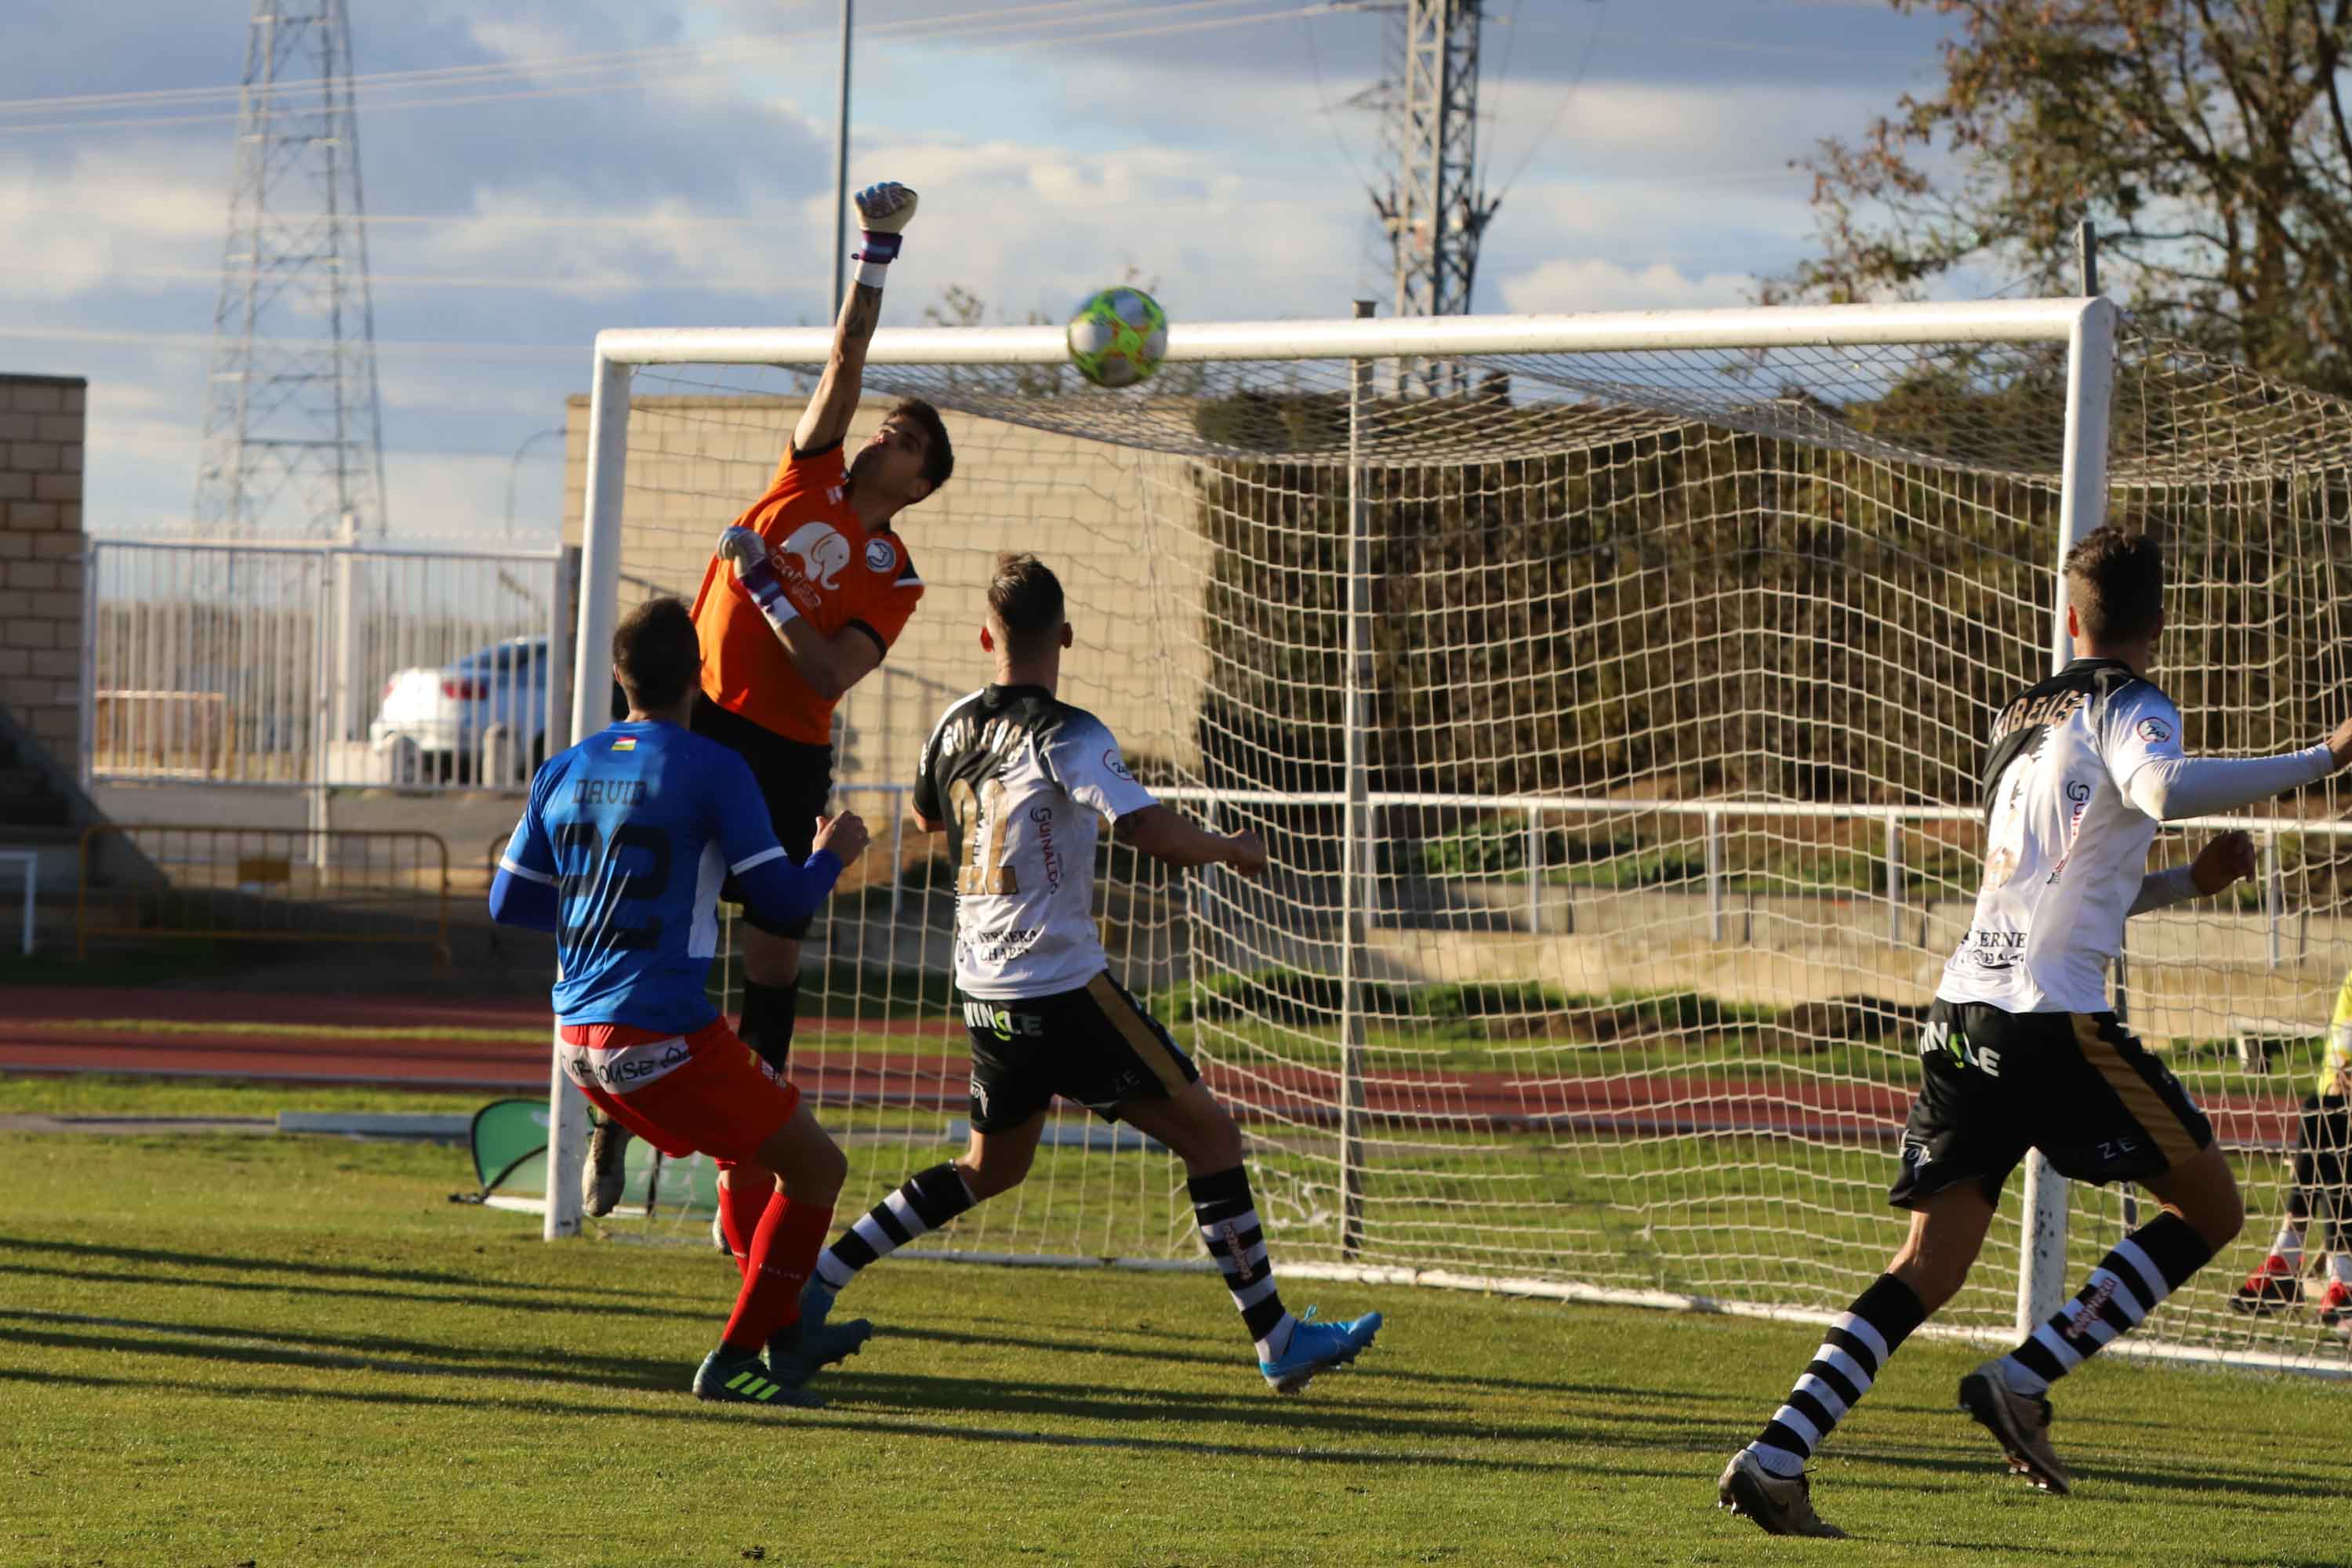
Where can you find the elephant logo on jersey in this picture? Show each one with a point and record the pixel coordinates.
(819, 552)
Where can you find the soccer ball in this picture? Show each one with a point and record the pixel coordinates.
(1118, 337)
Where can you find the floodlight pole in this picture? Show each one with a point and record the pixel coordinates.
(841, 170)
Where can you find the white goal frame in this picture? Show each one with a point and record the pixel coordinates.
(2086, 327)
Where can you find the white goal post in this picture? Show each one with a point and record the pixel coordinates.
(1388, 1111)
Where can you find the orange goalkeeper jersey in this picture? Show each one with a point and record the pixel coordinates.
(837, 576)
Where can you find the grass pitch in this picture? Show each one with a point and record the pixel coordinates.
(271, 1350)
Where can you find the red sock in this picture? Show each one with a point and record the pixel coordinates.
(783, 1253)
(743, 1195)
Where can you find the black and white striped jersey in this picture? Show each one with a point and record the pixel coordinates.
(1024, 778)
(2064, 847)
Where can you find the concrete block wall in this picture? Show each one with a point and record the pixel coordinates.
(1113, 523)
(41, 423)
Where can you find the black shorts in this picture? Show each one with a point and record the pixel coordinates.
(1096, 1045)
(2073, 1085)
(794, 777)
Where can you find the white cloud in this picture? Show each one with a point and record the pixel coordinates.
(1590, 284)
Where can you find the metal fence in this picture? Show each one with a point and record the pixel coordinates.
(274, 885)
(310, 665)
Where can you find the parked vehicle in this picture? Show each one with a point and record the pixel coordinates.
(448, 714)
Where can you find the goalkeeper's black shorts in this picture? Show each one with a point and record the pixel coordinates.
(2073, 1085)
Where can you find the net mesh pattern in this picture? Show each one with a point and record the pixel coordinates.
(1674, 671)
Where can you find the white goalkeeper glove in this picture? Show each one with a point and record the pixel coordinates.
(883, 213)
(746, 554)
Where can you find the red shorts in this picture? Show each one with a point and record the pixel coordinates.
(705, 1092)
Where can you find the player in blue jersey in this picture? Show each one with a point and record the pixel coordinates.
(621, 853)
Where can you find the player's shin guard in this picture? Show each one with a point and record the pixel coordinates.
(1842, 1372)
(1230, 1230)
(769, 1014)
(2145, 1268)
(782, 1251)
(928, 1200)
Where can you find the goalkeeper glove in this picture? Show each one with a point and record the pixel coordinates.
(883, 212)
(747, 554)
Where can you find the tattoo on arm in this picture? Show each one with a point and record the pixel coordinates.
(860, 312)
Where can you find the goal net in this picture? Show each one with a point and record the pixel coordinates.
(1611, 694)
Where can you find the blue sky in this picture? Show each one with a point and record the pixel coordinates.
(1642, 150)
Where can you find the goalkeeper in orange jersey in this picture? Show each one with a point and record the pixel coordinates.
(805, 595)
(2321, 1167)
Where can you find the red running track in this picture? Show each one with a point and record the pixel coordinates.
(262, 1036)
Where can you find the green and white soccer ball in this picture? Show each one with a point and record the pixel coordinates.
(1118, 337)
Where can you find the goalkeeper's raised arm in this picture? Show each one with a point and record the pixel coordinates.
(883, 213)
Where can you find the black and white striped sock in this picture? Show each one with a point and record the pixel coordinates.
(1842, 1372)
(1230, 1230)
(2145, 1268)
(928, 1200)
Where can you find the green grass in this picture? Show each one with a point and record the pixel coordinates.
(289, 1350)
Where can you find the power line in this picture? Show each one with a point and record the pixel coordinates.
(700, 61)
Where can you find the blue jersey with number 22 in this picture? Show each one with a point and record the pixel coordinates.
(636, 827)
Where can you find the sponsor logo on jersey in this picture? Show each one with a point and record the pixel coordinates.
(626, 743)
(1043, 817)
(1117, 764)
(2079, 792)
(1992, 949)
(980, 1096)
(880, 556)
(2155, 731)
(819, 552)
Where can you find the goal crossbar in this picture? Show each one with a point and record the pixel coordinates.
(1410, 337)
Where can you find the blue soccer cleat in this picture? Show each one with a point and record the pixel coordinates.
(800, 1351)
(735, 1379)
(1316, 1345)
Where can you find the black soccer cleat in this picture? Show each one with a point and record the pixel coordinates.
(2019, 1423)
(1779, 1505)
(606, 1169)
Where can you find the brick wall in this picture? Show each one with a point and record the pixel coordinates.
(41, 558)
(1114, 523)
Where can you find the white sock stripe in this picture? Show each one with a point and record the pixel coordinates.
(2289, 1243)
(1794, 1419)
(1250, 1295)
(904, 1213)
(2051, 1340)
(1847, 1367)
(2122, 1293)
(1821, 1390)
(2099, 1332)
(1871, 1339)
(1778, 1460)
(827, 1265)
(874, 1236)
(2131, 1252)
(1253, 1257)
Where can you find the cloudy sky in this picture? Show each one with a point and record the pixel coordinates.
(557, 166)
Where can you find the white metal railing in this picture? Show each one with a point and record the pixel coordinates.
(307, 665)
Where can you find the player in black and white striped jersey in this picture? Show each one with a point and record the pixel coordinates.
(1028, 779)
(2021, 1050)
